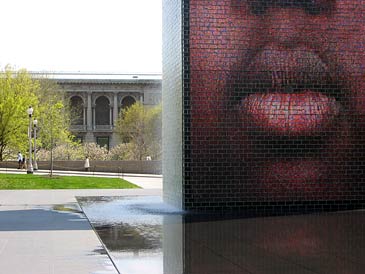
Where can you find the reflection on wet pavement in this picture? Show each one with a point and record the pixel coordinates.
(71, 208)
(125, 237)
(143, 235)
(131, 230)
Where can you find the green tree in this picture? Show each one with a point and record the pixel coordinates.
(53, 115)
(141, 127)
(17, 93)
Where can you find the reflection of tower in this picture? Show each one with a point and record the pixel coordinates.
(173, 244)
(132, 230)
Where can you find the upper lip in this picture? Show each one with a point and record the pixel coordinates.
(284, 71)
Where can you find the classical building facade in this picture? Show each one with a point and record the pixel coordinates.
(96, 101)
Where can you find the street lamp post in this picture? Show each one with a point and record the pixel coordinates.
(35, 165)
(30, 166)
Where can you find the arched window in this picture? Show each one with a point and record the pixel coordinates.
(76, 105)
(127, 102)
(102, 111)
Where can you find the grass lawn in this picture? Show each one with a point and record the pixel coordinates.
(30, 181)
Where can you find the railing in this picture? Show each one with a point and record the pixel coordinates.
(103, 127)
(78, 127)
(108, 128)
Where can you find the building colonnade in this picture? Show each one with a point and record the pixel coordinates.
(96, 104)
(94, 116)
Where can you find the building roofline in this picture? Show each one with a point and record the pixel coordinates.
(99, 78)
(108, 81)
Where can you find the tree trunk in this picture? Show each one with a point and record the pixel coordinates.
(51, 174)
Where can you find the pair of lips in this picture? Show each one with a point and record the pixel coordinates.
(288, 92)
(294, 114)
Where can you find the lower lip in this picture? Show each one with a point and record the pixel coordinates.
(292, 114)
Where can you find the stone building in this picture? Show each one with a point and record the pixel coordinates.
(97, 99)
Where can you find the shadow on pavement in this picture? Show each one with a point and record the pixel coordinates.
(41, 220)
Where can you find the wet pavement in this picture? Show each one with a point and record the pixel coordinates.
(143, 235)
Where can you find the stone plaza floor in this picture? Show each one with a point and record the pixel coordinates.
(44, 231)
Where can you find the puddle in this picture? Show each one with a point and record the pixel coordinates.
(131, 230)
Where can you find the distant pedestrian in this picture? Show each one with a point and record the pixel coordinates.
(24, 163)
(87, 164)
(20, 159)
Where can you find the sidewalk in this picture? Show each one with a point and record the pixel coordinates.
(44, 232)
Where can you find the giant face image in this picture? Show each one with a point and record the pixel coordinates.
(277, 92)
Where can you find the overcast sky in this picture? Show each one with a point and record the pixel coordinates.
(105, 36)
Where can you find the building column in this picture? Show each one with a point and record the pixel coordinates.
(89, 137)
(115, 109)
(84, 122)
(114, 140)
(110, 116)
(93, 123)
(89, 112)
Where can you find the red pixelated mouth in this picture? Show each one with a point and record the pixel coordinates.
(291, 114)
(287, 92)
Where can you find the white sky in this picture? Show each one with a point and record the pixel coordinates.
(107, 36)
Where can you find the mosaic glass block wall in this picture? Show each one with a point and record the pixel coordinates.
(274, 104)
(172, 98)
